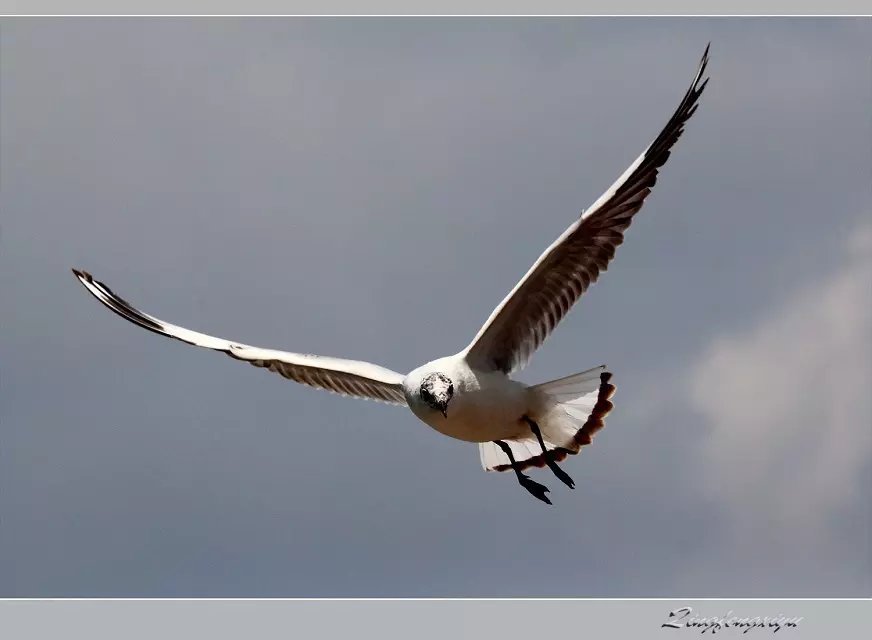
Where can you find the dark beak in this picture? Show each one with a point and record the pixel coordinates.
(445, 412)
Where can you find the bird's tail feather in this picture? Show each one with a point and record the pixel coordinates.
(577, 407)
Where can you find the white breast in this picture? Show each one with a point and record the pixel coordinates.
(484, 407)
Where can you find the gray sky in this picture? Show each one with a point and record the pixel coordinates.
(206, 169)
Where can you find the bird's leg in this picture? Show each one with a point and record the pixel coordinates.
(538, 490)
(560, 473)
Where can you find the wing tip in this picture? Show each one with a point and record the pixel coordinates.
(703, 63)
(87, 281)
(117, 304)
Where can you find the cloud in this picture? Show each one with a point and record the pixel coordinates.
(788, 410)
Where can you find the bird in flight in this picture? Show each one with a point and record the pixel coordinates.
(470, 395)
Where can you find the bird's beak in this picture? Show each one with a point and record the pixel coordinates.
(445, 413)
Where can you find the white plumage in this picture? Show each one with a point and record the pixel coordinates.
(470, 396)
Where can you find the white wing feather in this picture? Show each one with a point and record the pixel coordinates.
(531, 311)
(346, 377)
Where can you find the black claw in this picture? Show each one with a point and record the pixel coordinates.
(536, 489)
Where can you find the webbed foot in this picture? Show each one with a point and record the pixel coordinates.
(536, 489)
(560, 473)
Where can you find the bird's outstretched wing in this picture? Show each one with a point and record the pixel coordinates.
(346, 377)
(531, 311)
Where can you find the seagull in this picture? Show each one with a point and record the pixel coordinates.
(470, 396)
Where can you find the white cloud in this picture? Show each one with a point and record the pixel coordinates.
(790, 417)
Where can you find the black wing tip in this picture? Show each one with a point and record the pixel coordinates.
(685, 110)
(116, 303)
(703, 63)
(84, 277)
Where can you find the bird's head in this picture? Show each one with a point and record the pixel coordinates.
(436, 391)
